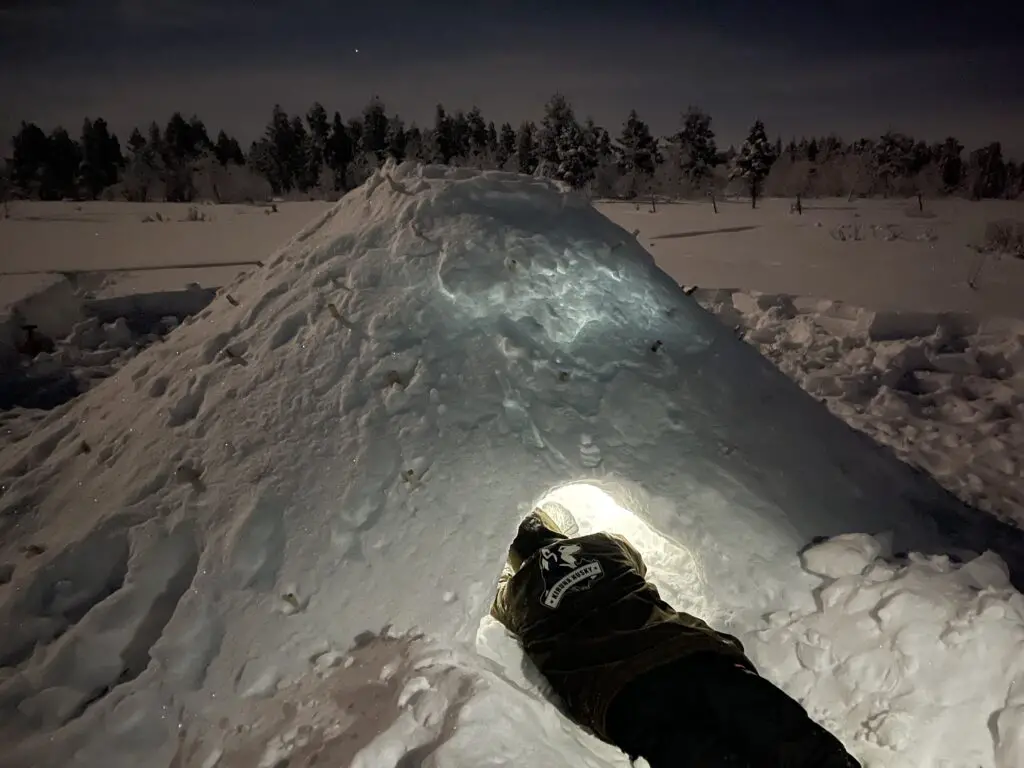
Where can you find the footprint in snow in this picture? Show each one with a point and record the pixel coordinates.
(158, 387)
(256, 545)
(288, 328)
(187, 406)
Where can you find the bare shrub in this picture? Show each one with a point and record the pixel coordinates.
(229, 183)
(1004, 237)
(194, 214)
(887, 232)
(846, 232)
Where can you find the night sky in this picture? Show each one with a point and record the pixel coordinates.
(859, 68)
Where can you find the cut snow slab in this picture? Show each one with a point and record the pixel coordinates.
(201, 554)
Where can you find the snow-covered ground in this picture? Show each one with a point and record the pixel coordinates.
(944, 391)
(770, 249)
(106, 236)
(276, 533)
(878, 254)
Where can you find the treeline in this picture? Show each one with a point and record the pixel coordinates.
(317, 155)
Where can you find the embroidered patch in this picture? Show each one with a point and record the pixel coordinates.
(564, 572)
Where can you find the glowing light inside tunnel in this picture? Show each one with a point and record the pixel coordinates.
(670, 566)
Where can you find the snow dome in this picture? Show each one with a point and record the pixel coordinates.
(284, 537)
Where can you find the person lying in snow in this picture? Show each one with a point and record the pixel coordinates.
(654, 682)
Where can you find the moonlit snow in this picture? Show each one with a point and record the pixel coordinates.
(273, 537)
(945, 391)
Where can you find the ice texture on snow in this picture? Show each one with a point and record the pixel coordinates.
(284, 535)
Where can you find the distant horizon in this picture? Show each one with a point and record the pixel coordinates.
(929, 70)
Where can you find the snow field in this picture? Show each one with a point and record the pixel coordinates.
(345, 439)
(900, 259)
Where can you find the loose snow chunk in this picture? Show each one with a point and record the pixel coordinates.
(924, 667)
(755, 303)
(987, 571)
(845, 555)
(117, 334)
(86, 334)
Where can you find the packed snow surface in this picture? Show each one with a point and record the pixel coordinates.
(275, 536)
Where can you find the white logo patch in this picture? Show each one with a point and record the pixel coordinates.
(565, 572)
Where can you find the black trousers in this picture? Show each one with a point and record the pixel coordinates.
(708, 711)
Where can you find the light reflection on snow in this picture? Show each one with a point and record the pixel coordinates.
(562, 291)
(670, 566)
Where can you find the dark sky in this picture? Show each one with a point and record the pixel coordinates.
(930, 68)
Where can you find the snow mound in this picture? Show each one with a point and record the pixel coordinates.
(944, 391)
(345, 440)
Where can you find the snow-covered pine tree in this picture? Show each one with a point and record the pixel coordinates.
(638, 155)
(577, 152)
(558, 115)
(506, 145)
(565, 150)
(754, 160)
(698, 154)
(476, 130)
(397, 138)
(441, 138)
(526, 148)
(375, 129)
(891, 159)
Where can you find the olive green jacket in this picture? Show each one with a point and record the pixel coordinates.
(591, 622)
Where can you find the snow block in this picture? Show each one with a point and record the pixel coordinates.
(754, 303)
(964, 363)
(959, 324)
(87, 334)
(811, 305)
(987, 571)
(117, 334)
(822, 383)
(842, 320)
(842, 311)
(840, 327)
(892, 326)
(899, 361)
(53, 310)
(1001, 327)
(931, 382)
(848, 554)
(152, 306)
